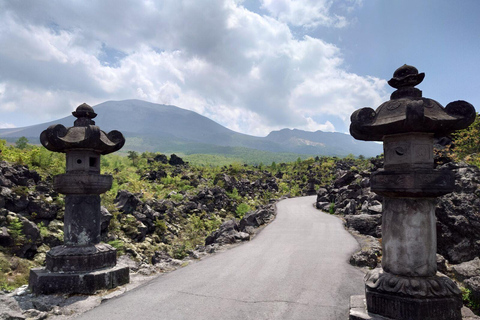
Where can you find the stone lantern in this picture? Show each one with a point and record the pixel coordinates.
(408, 285)
(82, 264)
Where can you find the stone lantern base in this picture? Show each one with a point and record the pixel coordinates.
(43, 281)
(389, 296)
(79, 269)
(358, 311)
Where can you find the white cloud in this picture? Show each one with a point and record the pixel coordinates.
(305, 13)
(326, 127)
(4, 125)
(243, 70)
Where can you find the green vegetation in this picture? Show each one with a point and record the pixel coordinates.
(470, 301)
(241, 210)
(37, 158)
(13, 271)
(466, 144)
(21, 143)
(15, 227)
(331, 208)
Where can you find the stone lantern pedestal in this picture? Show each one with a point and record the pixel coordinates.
(408, 287)
(82, 264)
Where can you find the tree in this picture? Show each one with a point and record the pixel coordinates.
(466, 142)
(133, 155)
(21, 143)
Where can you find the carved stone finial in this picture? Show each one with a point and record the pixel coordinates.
(407, 111)
(406, 76)
(84, 114)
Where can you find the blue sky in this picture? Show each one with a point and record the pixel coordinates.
(253, 65)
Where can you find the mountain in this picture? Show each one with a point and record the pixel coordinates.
(164, 128)
(330, 143)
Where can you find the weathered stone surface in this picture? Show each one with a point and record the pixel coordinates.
(9, 309)
(408, 237)
(358, 311)
(175, 160)
(126, 201)
(232, 231)
(257, 218)
(427, 183)
(344, 179)
(436, 286)
(442, 264)
(82, 183)
(473, 284)
(467, 269)
(6, 239)
(226, 234)
(160, 256)
(367, 257)
(364, 223)
(82, 220)
(45, 282)
(104, 219)
(81, 259)
(403, 308)
(161, 158)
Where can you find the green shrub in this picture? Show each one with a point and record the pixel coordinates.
(15, 229)
(470, 301)
(234, 195)
(160, 227)
(14, 272)
(241, 210)
(176, 196)
(43, 230)
(119, 245)
(179, 251)
(331, 208)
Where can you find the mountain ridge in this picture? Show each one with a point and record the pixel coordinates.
(165, 128)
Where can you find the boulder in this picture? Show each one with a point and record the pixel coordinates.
(473, 284)
(28, 247)
(9, 308)
(105, 219)
(126, 202)
(367, 257)
(257, 218)
(6, 239)
(375, 208)
(467, 269)
(225, 234)
(161, 158)
(160, 256)
(345, 179)
(442, 264)
(364, 223)
(175, 160)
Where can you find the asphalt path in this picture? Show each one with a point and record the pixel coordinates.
(296, 268)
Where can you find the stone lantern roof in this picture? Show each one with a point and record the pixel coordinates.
(407, 111)
(84, 135)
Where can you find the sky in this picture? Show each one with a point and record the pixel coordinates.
(253, 66)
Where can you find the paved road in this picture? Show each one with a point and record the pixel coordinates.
(296, 268)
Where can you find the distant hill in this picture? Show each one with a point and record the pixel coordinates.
(164, 128)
